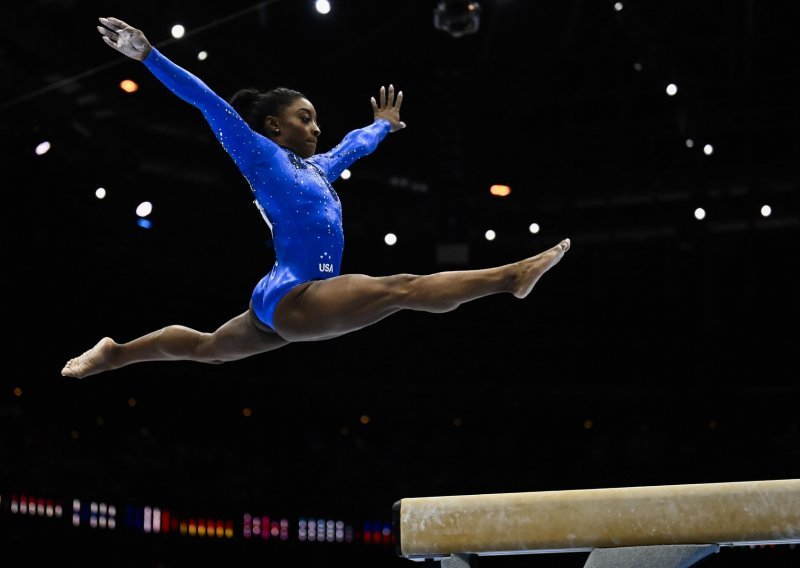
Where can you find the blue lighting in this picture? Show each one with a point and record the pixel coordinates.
(144, 223)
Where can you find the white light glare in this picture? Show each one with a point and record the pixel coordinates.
(100, 192)
(42, 148)
(490, 235)
(534, 228)
(672, 88)
(689, 143)
(618, 6)
(390, 239)
(637, 66)
(178, 31)
(322, 6)
(699, 213)
(708, 149)
(202, 55)
(766, 210)
(346, 174)
(144, 209)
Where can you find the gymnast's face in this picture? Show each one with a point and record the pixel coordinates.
(298, 129)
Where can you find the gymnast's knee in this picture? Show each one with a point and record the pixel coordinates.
(402, 284)
(206, 350)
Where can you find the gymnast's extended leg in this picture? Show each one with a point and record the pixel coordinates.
(324, 309)
(236, 339)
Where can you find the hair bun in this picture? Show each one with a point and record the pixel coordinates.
(244, 100)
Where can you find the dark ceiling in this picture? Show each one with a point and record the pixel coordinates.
(544, 97)
(672, 335)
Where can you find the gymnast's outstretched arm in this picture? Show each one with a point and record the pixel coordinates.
(244, 145)
(363, 141)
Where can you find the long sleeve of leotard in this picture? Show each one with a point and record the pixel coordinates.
(242, 143)
(354, 145)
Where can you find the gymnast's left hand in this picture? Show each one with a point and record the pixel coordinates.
(389, 108)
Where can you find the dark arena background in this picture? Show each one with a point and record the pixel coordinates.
(661, 138)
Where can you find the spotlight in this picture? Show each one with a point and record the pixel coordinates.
(457, 17)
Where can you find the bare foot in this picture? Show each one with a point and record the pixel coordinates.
(532, 268)
(95, 360)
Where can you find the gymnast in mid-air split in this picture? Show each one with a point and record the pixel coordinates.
(272, 137)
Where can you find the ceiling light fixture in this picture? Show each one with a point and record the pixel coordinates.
(457, 17)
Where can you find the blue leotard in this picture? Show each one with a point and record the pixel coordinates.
(294, 195)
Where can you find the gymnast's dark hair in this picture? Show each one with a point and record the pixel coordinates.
(255, 106)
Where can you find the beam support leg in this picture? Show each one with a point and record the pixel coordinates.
(658, 556)
(457, 561)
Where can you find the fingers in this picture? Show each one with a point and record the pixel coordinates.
(110, 42)
(116, 24)
(109, 24)
(388, 99)
(109, 37)
(107, 33)
(374, 104)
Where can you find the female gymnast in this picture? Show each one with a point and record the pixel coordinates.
(272, 138)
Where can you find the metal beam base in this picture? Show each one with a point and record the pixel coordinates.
(658, 556)
(457, 561)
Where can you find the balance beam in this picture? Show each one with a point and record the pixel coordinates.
(721, 514)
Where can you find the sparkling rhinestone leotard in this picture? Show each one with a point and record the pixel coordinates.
(294, 195)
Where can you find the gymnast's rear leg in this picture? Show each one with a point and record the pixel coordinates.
(234, 340)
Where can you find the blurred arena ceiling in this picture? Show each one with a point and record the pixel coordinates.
(565, 102)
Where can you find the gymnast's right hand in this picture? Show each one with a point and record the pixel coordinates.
(124, 38)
